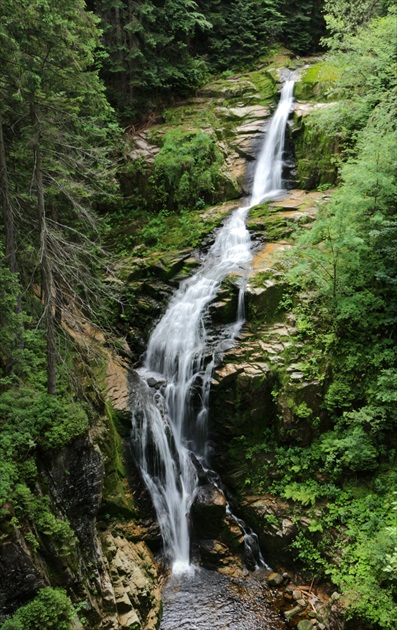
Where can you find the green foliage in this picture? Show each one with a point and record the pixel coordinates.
(32, 420)
(306, 493)
(50, 609)
(32, 423)
(37, 511)
(308, 553)
(48, 421)
(366, 66)
(159, 48)
(317, 81)
(347, 17)
(241, 31)
(186, 171)
(170, 231)
(11, 323)
(149, 50)
(304, 25)
(350, 450)
(57, 154)
(343, 281)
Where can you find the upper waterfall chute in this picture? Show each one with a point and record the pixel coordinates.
(269, 168)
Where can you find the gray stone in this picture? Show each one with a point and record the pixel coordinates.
(129, 621)
(305, 624)
(20, 579)
(208, 511)
(275, 579)
(292, 612)
(77, 473)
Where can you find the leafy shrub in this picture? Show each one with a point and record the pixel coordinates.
(186, 171)
(51, 609)
(352, 450)
(31, 416)
(306, 493)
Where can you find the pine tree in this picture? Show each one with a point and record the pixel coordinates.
(57, 118)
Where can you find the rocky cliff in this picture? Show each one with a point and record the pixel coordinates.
(258, 386)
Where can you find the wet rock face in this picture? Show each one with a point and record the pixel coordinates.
(115, 578)
(74, 479)
(315, 151)
(258, 386)
(77, 474)
(20, 578)
(271, 520)
(208, 511)
(241, 399)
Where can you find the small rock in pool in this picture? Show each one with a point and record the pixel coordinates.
(275, 579)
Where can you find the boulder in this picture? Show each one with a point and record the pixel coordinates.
(275, 579)
(208, 512)
(269, 517)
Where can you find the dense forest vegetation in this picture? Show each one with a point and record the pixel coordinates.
(73, 77)
(347, 265)
(159, 50)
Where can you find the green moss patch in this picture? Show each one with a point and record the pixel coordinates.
(315, 82)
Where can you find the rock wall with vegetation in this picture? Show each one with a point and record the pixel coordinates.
(71, 551)
(303, 408)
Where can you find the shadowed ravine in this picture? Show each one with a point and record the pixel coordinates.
(169, 426)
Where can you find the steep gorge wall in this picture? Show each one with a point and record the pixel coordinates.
(108, 568)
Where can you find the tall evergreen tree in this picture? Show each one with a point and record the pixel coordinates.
(149, 46)
(56, 115)
(346, 17)
(241, 31)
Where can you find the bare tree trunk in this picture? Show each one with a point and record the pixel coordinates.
(46, 270)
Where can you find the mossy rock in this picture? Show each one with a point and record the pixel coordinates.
(208, 512)
(266, 84)
(224, 308)
(315, 82)
(256, 221)
(264, 298)
(241, 403)
(230, 87)
(301, 417)
(315, 153)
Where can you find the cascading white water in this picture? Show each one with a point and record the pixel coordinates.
(168, 427)
(268, 173)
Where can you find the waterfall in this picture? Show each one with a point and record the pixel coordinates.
(169, 426)
(268, 174)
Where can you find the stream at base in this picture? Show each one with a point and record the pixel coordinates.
(208, 600)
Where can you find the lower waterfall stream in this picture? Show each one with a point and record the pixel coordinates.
(169, 422)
